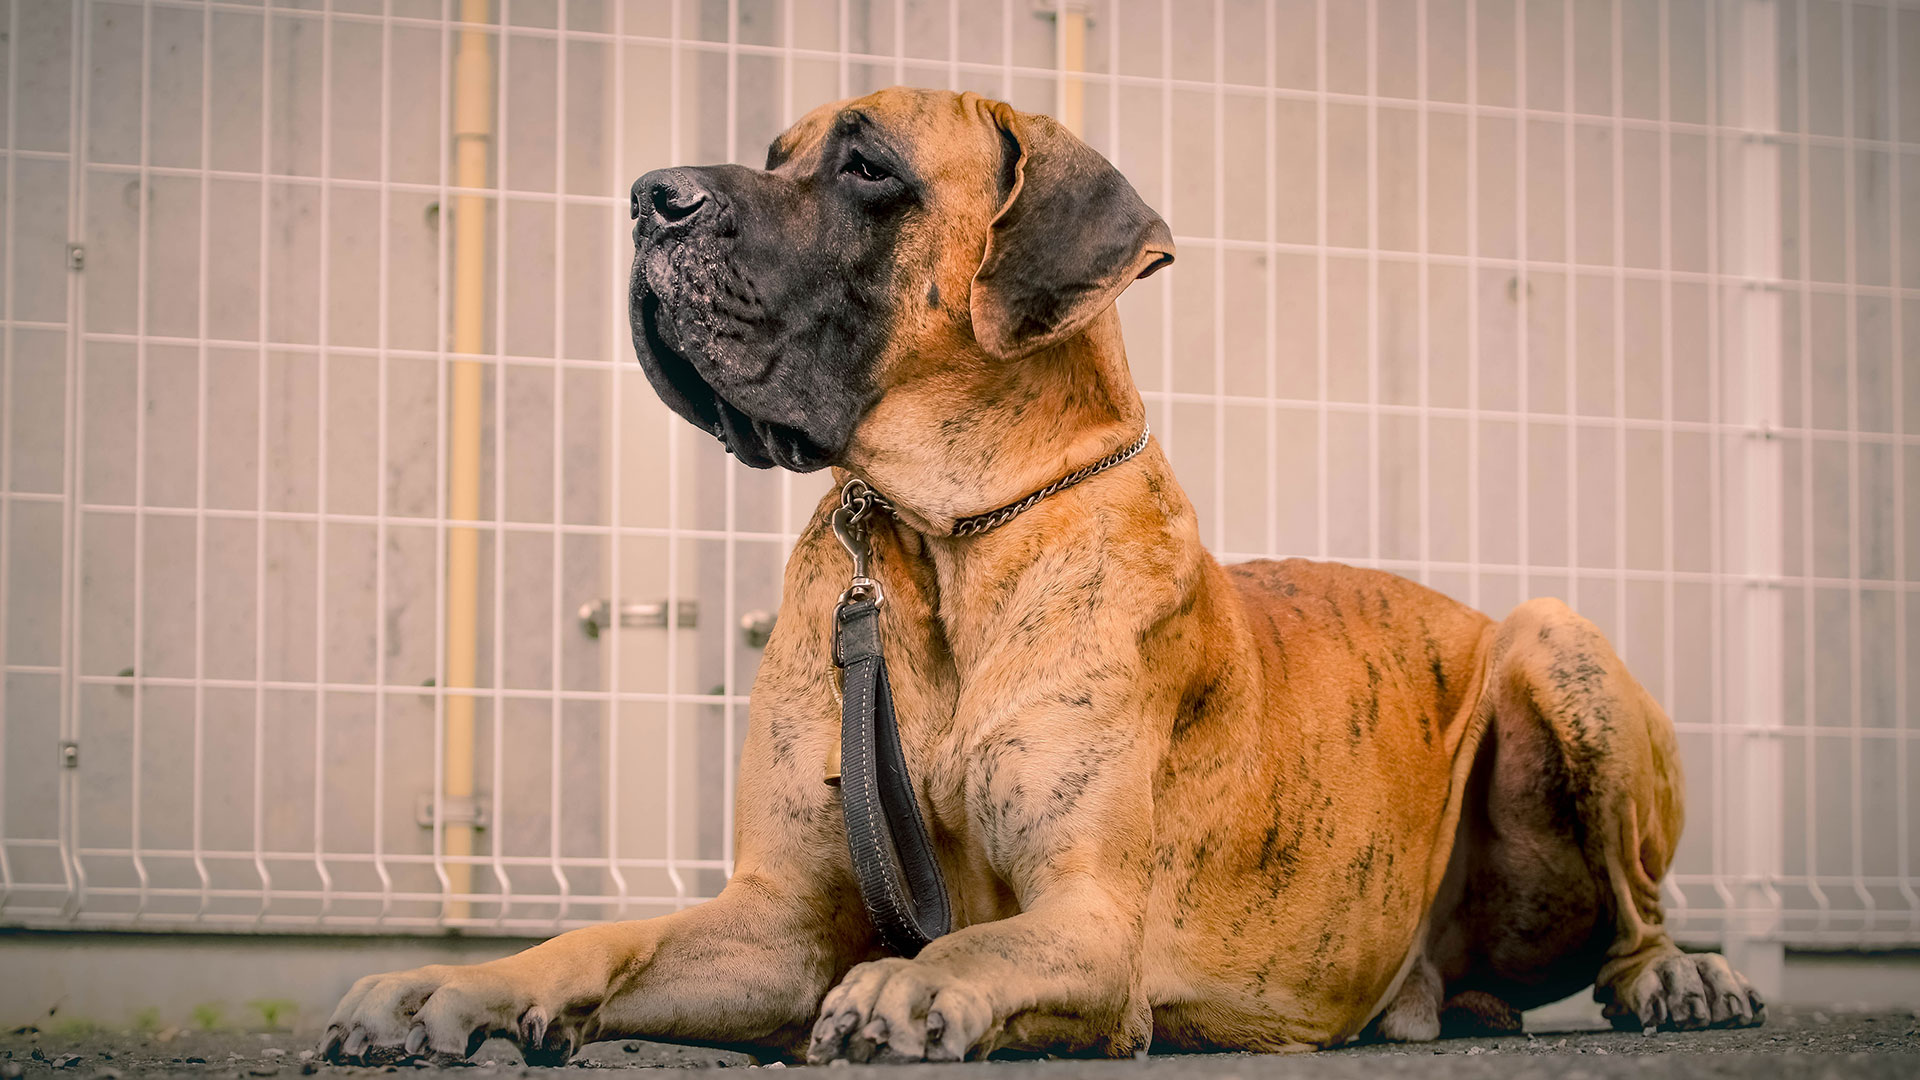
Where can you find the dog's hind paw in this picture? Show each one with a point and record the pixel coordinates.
(899, 1010)
(1684, 992)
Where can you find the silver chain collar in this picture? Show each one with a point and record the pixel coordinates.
(858, 498)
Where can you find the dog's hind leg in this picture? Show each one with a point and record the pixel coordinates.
(1571, 822)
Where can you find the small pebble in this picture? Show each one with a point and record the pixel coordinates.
(306, 1055)
(778, 1065)
(308, 1068)
(66, 1061)
(196, 1060)
(631, 1047)
(273, 1051)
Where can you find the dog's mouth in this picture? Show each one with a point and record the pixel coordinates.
(758, 443)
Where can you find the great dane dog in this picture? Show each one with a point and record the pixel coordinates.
(1269, 806)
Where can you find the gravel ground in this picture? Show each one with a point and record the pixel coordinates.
(1819, 1045)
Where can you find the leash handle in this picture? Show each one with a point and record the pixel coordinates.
(893, 857)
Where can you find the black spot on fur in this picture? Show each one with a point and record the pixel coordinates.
(1196, 708)
(1280, 855)
(1360, 868)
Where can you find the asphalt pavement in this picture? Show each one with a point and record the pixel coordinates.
(1816, 1044)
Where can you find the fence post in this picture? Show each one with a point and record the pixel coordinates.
(1750, 814)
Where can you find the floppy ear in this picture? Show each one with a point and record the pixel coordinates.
(1071, 234)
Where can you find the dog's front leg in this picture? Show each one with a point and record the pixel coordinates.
(747, 967)
(1059, 793)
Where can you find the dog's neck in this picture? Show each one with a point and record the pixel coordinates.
(1026, 423)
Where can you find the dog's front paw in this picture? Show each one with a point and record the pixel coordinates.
(445, 1010)
(900, 1010)
(1687, 991)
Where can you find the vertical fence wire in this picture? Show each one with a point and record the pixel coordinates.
(7, 453)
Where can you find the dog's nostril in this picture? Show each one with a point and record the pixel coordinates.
(671, 204)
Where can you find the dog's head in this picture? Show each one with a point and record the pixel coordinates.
(888, 236)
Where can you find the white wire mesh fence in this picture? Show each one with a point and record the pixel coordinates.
(1595, 298)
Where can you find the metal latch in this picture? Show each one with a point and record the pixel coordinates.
(597, 615)
(756, 627)
(461, 810)
(70, 755)
(76, 257)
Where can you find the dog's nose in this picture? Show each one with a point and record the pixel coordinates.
(670, 196)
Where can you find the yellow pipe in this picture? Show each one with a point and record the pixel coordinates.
(1071, 46)
(472, 139)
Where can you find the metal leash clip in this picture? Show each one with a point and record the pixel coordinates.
(850, 525)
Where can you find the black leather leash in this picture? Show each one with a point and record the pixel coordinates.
(893, 857)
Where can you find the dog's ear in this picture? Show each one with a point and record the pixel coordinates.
(1070, 235)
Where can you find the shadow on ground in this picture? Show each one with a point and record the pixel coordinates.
(1795, 1043)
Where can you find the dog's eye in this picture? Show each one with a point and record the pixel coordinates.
(865, 170)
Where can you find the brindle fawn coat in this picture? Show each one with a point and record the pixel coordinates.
(1259, 807)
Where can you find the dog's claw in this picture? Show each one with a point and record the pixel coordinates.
(416, 1040)
(533, 1027)
(830, 1035)
(330, 1042)
(356, 1044)
(553, 1056)
(862, 1047)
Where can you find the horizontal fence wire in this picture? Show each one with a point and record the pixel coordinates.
(1603, 299)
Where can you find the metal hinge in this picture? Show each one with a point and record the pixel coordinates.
(460, 810)
(76, 257)
(70, 755)
(596, 615)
